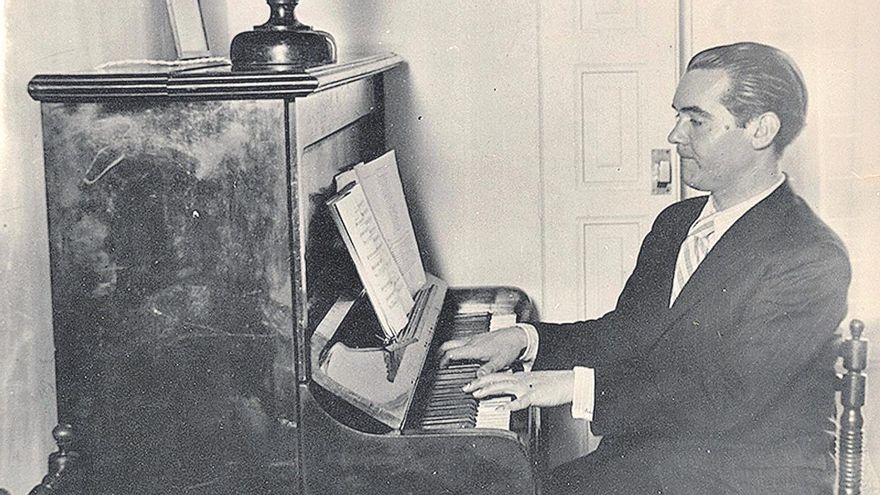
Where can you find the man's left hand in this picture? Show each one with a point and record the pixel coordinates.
(537, 388)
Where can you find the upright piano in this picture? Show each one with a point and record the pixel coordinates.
(211, 333)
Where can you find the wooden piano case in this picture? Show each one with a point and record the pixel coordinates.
(191, 261)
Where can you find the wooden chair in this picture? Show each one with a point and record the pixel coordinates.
(851, 385)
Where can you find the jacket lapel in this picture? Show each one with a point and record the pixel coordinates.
(674, 238)
(732, 252)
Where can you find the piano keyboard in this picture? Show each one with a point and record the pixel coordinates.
(450, 407)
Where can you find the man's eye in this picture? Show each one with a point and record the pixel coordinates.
(696, 123)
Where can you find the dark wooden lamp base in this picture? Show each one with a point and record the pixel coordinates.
(282, 43)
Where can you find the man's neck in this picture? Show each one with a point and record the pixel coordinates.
(747, 187)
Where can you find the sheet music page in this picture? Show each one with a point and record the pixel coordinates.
(382, 279)
(344, 178)
(380, 179)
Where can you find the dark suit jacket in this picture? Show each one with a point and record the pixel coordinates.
(740, 366)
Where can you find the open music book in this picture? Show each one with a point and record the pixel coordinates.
(371, 213)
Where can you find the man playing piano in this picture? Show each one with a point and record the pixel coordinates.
(714, 372)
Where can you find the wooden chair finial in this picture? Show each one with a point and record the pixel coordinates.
(856, 327)
(854, 352)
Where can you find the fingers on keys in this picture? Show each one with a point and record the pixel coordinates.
(488, 368)
(494, 384)
(453, 350)
(517, 404)
(502, 384)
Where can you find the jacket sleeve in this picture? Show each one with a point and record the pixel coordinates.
(797, 303)
(623, 333)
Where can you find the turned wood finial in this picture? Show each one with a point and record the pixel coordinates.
(63, 435)
(856, 327)
(854, 352)
(62, 465)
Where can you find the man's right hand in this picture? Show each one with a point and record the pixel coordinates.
(496, 349)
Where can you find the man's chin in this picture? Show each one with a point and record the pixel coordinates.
(689, 168)
(691, 176)
(696, 187)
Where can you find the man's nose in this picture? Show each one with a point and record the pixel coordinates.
(676, 135)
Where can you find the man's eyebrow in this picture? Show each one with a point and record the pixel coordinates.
(694, 110)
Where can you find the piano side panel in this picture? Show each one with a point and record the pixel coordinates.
(336, 128)
(172, 305)
(349, 103)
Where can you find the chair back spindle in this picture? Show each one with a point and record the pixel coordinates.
(854, 352)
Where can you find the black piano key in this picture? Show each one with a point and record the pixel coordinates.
(459, 371)
(448, 403)
(449, 389)
(447, 426)
(449, 392)
(449, 400)
(450, 420)
(452, 412)
(453, 383)
(451, 404)
(459, 368)
(462, 423)
(451, 397)
(458, 413)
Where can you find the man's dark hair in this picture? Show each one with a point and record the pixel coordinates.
(762, 79)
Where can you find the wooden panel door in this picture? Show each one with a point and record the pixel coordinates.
(608, 73)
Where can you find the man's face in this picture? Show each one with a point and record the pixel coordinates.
(714, 152)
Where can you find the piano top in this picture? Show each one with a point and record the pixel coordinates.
(202, 81)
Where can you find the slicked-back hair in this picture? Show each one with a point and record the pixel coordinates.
(762, 79)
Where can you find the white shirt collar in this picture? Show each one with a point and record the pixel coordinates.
(725, 218)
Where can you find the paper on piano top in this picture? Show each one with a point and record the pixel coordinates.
(380, 180)
(376, 268)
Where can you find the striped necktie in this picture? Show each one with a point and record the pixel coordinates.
(693, 250)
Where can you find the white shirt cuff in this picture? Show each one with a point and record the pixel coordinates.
(583, 395)
(531, 351)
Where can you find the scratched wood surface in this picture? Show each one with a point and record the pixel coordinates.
(169, 247)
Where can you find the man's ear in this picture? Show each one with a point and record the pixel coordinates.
(763, 129)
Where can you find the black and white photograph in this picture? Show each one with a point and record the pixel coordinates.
(520, 247)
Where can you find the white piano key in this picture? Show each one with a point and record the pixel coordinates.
(499, 321)
(490, 414)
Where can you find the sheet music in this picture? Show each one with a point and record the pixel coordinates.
(346, 177)
(382, 186)
(382, 279)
